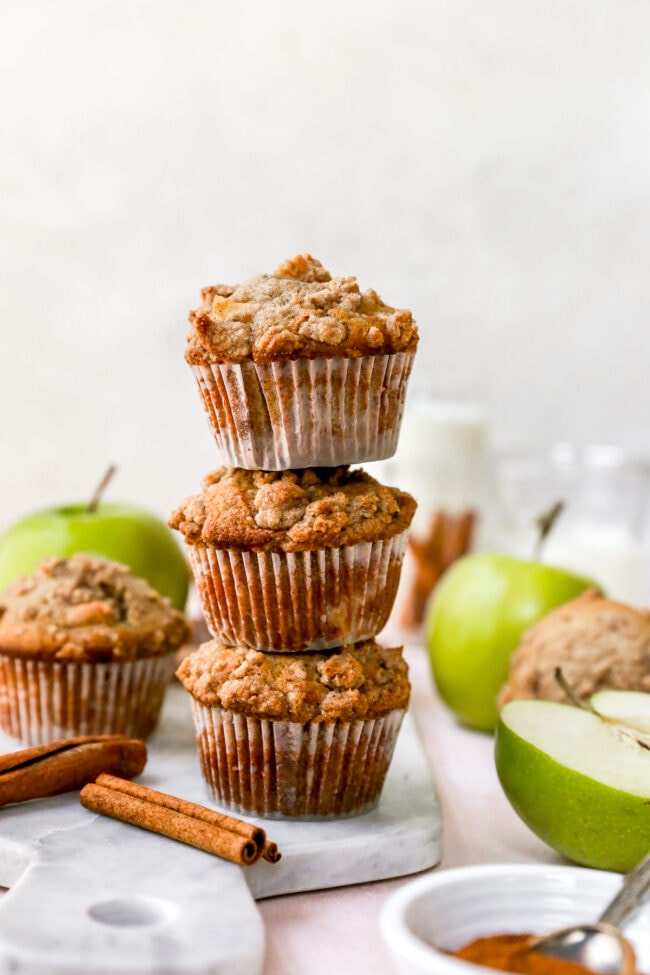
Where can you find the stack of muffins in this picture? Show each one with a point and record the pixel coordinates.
(297, 558)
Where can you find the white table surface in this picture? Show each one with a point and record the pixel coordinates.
(338, 930)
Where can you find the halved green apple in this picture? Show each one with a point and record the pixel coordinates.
(580, 779)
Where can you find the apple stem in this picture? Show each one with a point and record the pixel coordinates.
(545, 524)
(99, 490)
(570, 693)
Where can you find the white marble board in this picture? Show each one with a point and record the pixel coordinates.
(92, 896)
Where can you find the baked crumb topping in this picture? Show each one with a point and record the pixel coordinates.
(294, 511)
(298, 311)
(361, 681)
(87, 609)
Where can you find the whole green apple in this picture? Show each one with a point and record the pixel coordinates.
(479, 611)
(581, 782)
(113, 531)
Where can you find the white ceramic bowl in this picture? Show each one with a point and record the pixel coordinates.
(447, 909)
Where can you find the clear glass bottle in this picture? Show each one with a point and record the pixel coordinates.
(443, 461)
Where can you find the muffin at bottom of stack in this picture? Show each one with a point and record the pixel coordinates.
(308, 735)
(85, 649)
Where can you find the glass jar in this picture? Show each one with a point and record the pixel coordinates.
(602, 530)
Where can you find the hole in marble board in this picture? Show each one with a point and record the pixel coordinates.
(132, 912)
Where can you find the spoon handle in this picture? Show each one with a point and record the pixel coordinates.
(634, 886)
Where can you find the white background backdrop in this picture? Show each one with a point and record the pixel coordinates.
(484, 162)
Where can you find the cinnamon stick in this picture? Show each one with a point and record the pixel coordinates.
(448, 538)
(175, 825)
(193, 809)
(270, 852)
(66, 765)
(179, 819)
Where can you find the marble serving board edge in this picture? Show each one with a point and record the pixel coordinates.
(91, 896)
(402, 835)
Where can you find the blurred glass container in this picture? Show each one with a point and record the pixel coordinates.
(602, 532)
(443, 461)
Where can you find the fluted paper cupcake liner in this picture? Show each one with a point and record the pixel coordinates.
(294, 601)
(306, 412)
(41, 700)
(285, 769)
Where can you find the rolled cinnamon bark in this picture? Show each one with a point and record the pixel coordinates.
(193, 809)
(448, 538)
(66, 765)
(270, 852)
(175, 825)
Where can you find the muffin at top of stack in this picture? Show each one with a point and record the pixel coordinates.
(309, 734)
(85, 648)
(295, 560)
(299, 369)
(297, 311)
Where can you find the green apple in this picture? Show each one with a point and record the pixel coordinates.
(113, 531)
(476, 619)
(580, 781)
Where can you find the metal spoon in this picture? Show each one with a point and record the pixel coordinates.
(601, 947)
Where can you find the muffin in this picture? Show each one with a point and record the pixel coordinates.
(598, 643)
(295, 560)
(309, 735)
(85, 649)
(299, 369)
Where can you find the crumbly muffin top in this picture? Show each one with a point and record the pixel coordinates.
(294, 511)
(364, 680)
(597, 642)
(90, 609)
(299, 311)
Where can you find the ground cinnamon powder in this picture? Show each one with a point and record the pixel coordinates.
(508, 953)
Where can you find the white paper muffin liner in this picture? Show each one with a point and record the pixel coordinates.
(306, 412)
(42, 700)
(283, 769)
(294, 601)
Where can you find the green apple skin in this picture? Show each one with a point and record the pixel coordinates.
(587, 821)
(476, 619)
(114, 531)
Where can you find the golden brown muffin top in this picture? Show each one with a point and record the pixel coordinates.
(598, 643)
(364, 680)
(299, 311)
(83, 608)
(294, 511)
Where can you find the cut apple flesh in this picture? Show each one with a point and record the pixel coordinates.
(581, 782)
(608, 751)
(629, 707)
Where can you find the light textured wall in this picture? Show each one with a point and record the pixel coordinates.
(485, 162)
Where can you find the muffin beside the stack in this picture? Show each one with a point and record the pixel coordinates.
(297, 709)
(598, 643)
(86, 648)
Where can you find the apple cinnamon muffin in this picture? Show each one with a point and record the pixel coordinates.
(598, 643)
(308, 735)
(85, 648)
(295, 560)
(299, 369)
